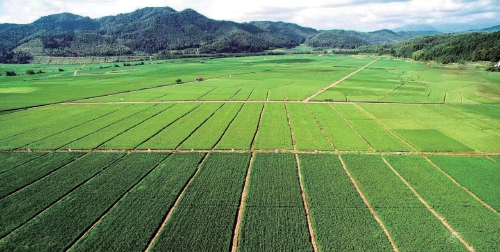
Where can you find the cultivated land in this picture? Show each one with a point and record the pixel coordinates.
(270, 153)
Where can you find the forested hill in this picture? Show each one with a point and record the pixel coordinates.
(445, 48)
(353, 39)
(163, 29)
(147, 30)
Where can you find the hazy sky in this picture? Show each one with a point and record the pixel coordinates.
(362, 15)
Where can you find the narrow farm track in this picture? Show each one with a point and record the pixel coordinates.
(437, 215)
(294, 143)
(172, 209)
(362, 195)
(112, 206)
(241, 207)
(306, 207)
(338, 82)
(461, 186)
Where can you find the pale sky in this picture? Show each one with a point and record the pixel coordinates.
(361, 15)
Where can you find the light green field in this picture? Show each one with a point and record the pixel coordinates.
(399, 156)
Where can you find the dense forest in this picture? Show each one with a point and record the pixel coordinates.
(145, 31)
(444, 48)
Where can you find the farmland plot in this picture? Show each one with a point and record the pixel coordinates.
(27, 173)
(378, 137)
(274, 216)
(308, 136)
(477, 224)
(11, 160)
(172, 136)
(478, 174)
(61, 225)
(60, 124)
(339, 217)
(135, 112)
(409, 222)
(134, 220)
(336, 128)
(241, 132)
(207, 136)
(133, 137)
(20, 207)
(205, 216)
(274, 130)
(97, 138)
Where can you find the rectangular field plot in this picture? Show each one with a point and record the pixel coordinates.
(411, 225)
(172, 136)
(26, 203)
(134, 113)
(274, 216)
(61, 225)
(432, 140)
(477, 225)
(205, 216)
(23, 175)
(338, 131)
(241, 132)
(308, 135)
(11, 160)
(207, 136)
(137, 135)
(221, 94)
(131, 224)
(58, 124)
(377, 136)
(441, 128)
(478, 174)
(97, 138)
(274, 132)
(340, 219)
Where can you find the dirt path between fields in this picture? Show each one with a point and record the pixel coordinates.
(306, 207)
(76, 71)
(244, 193)
(461, 186)
(258, 127)
(441, 218)
(294, 143)
(172, 209)
(339, 81)
(394, 248)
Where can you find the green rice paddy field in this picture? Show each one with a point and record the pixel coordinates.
(268, 153)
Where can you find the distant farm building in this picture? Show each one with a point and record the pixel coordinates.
(199, 79)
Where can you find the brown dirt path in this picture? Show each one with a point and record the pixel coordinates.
(306, 207)
(338, 82)
(441, 218)
(394, 248)
(172, 209)
(241, 207)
